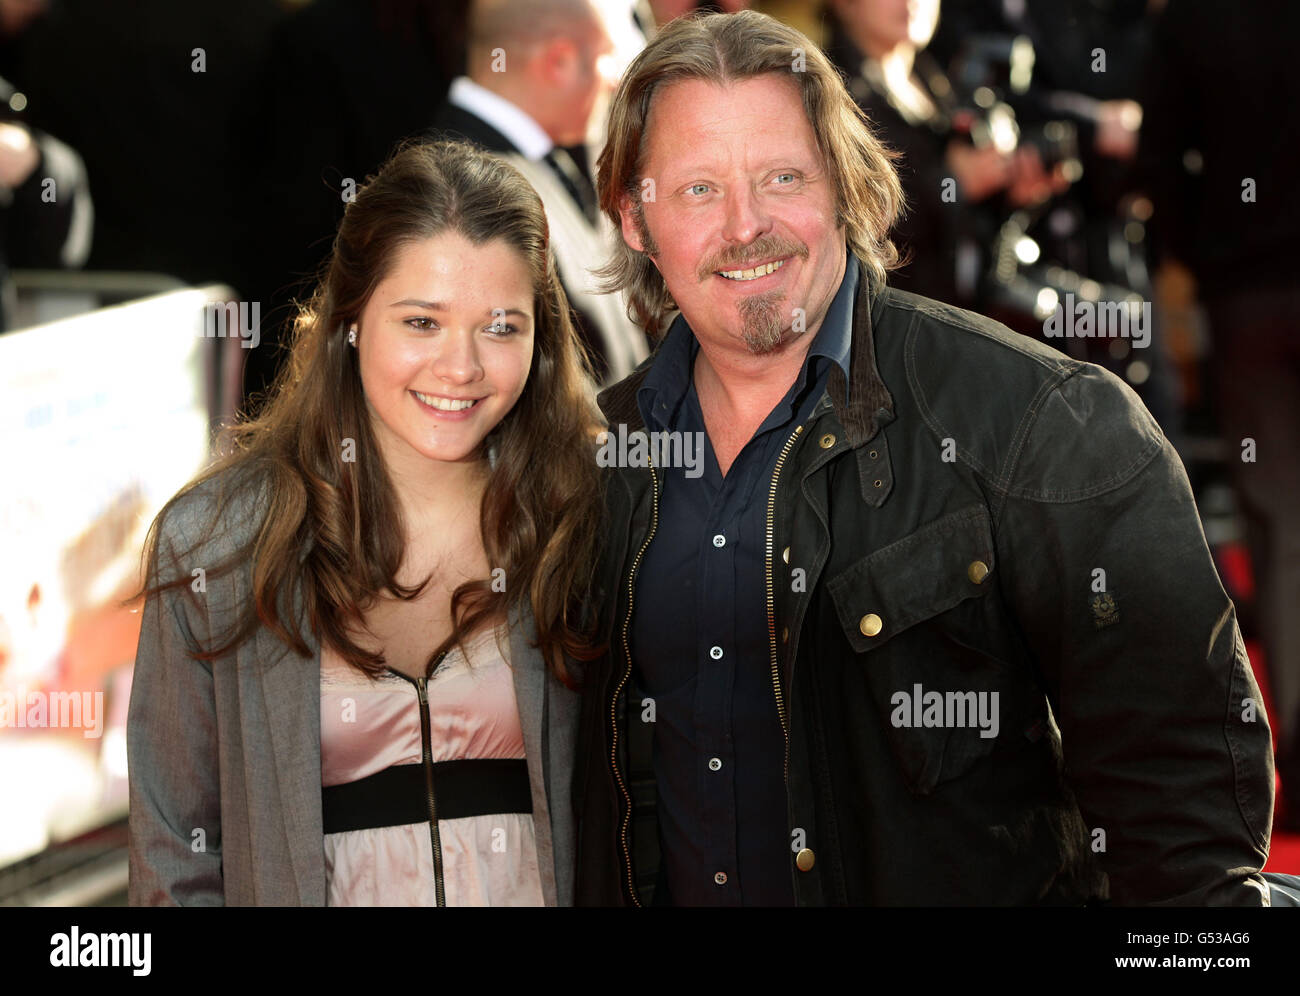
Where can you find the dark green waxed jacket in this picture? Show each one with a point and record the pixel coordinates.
(989, 520)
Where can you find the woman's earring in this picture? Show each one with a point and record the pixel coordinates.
(352, 336)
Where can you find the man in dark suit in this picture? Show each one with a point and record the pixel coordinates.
(533, 79)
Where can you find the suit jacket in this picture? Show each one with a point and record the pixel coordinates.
(224, 755)
(615, 343)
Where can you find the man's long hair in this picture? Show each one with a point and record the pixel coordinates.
(331, 530)
(723, 49)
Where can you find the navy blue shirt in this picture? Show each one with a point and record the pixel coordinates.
(700, 645)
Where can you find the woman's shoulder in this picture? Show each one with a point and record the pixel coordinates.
(218, 513)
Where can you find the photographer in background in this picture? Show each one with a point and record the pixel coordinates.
(1019, 193)
(45, 208)
(880, 46)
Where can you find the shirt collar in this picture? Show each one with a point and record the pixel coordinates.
(669, 377)
(835, 337)
(513, 122)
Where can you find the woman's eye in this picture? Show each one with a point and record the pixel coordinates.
(422, 323)
(502, 329)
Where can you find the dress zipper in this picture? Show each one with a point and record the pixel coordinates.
(627, 672)
(426, 745)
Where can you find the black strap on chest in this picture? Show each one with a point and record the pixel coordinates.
(399, 795)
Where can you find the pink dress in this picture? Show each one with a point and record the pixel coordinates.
(369, 727)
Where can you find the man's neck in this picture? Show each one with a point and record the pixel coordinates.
(499, 111)
(743, 386)
(508, 87)
(737, 391)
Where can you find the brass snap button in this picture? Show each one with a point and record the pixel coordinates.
(805, 859)
(977, 571)
(827, 441)
(871, 624)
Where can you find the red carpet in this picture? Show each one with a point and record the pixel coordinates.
(1284, 852)
(1284, 855)
(1238, 577)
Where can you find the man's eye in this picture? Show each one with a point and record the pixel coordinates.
(702, 188)
(792, 179)
(423, 323)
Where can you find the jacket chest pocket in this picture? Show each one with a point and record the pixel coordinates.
(914, 614)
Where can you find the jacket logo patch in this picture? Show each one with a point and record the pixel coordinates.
(1104, 610)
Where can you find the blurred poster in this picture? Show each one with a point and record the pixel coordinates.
(102, 418)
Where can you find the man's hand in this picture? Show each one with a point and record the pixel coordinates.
(1118, 122)
(1031, 184)
(19, 155)
(980, 173)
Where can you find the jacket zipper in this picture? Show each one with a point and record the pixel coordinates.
(426, 747)
(627, 653)
(771, 606)
(627, 672)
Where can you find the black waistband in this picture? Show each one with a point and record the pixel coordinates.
(399, 795)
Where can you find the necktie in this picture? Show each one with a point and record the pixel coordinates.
(575, 183)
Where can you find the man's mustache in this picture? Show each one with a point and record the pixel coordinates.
(756, 252)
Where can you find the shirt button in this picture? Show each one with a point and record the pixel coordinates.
(719, 540)
(715, 653)
(715, 764)
(720, 878)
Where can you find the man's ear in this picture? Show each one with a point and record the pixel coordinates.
(555, 61)
(627, 221)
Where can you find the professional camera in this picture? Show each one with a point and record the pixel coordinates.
(1055, 271)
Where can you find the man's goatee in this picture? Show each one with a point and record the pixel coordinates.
(761, 318)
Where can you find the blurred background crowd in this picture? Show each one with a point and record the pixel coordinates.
(1138, 153)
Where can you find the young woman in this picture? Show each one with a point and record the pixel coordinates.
(353, 684)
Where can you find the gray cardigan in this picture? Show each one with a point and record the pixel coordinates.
(224, 755)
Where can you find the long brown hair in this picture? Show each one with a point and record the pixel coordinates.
(722, 48)
(332, 534)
